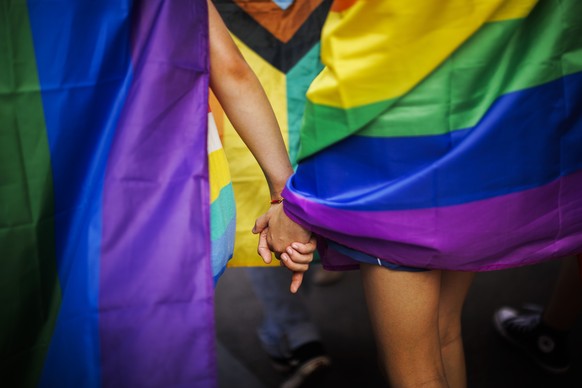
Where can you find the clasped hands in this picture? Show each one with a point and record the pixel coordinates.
(291, 243)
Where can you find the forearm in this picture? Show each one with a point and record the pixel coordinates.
(248, 109)
(242, 97)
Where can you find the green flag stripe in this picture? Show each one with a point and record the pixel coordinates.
(29, 288)
(461, 90)
(298, 80)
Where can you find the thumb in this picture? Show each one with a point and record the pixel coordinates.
(263, 248)
(260, 224)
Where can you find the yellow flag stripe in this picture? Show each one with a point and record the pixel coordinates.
(250, 188)
(218, 170)
(396, 43)
(219, 175)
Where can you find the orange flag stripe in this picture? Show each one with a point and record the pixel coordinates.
(283, 24)
(342, 5)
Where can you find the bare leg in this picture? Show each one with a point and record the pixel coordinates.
(404, 314)
(565, 304)
(454, 288)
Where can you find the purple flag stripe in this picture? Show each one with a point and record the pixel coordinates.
(156, 289)
(527, 227)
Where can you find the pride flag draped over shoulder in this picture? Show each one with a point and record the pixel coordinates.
(280, 41)
(105, 271)
(445, 134)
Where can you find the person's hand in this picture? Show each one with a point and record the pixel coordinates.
(296, 258)
(280, 230)
(292, 244)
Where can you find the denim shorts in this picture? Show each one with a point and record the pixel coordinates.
(368, 259)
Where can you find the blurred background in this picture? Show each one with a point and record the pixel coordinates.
(341, 315)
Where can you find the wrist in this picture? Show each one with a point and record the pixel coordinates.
(276, 191)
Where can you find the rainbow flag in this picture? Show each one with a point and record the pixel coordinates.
(105, 234)
(222, 205)
(445, 134)
(280, 41)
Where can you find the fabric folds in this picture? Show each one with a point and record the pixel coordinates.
(106, 271)
(450, 142)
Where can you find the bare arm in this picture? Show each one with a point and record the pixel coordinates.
(244, 101)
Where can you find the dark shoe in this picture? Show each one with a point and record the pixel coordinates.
(307, 366)
(547, 347)
(281, 365)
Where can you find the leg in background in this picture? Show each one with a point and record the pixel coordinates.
(288, 334)
(287, 322)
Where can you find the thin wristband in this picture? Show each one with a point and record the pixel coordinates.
(276, 201)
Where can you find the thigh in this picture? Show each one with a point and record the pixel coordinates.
(403, 310)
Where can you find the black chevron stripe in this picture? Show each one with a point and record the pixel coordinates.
(282, 56)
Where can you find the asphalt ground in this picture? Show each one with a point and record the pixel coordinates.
(340, 312)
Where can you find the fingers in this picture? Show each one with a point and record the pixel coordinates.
(263, 248)
(260, 224)
(274, 235)
(296, 280)
(306, 248)
(294, 266)
(297, 257)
